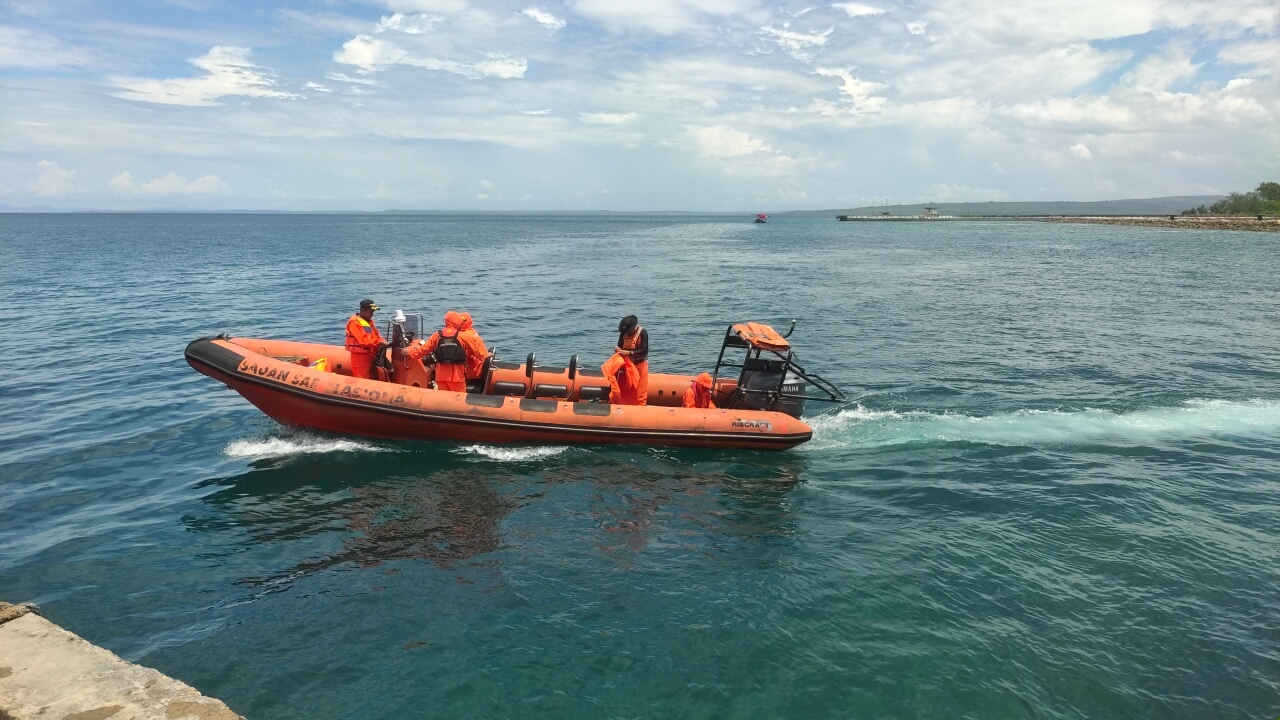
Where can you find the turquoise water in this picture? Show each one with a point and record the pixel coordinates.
(1056, 493)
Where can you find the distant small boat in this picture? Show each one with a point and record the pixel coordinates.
(761, 217)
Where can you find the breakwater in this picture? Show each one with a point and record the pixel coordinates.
(1235, 222)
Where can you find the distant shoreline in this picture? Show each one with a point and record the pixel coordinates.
(1194, 222)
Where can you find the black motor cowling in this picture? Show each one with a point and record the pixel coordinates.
(768, 385)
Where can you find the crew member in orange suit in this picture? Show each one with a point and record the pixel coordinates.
(474, 345)
(628, 369)
(364, 342)
(699, 393)
(448, 351)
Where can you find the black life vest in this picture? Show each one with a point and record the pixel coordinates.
(449, 350)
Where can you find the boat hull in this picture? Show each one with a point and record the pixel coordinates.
(305, 397)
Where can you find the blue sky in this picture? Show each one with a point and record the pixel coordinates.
(719, 105)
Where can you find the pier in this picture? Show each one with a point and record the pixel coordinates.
(47, 673)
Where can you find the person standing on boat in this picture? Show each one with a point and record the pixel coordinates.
(628, 369)
(451, 353)
(364, 342)
(474, 345)
(699, 393)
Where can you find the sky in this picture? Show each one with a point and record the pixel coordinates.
(698, 105)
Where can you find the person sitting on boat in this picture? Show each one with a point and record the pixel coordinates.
(364, 342)
(628, 370)
(451, 353)
(699, 393)
(474, 345)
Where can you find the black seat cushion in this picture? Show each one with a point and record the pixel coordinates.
(549, 390)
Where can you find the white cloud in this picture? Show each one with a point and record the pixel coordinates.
(1264, 56)
(447, 7)
(170, 184)
(607, 118)
(1037, 24)
(721, 141)
(325, 23)
(796, 42)
(408, 24)
(1217, 19)
(1003, 74)
(860, 93)
(21, 48)
(543, 18)
(123, 184)
(854, 9)
(342, 77)
(52, 181)
(372, 54)
(959, 192)
(665, 17)
(975, 95)
(1097, 115)
(1158, 72)
(229, 73)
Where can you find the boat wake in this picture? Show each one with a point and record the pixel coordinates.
(301, 444)
(861, 427)
(511, 454)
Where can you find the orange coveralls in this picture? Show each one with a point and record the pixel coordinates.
(452, 376)
(639, 343)
(473, 344)
(363, 340)
(699, 393)
(621, 373)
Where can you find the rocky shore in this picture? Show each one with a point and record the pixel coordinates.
(1201, 222)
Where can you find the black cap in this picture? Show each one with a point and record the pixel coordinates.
(368, 304)
(628, 324)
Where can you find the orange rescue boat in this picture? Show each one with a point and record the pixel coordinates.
(517, 402)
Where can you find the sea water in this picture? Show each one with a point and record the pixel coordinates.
(1053, 494)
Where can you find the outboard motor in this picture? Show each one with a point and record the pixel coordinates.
(770, 385)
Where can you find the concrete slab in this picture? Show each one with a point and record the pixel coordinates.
(47, 673)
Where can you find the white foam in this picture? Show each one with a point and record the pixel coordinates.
(295, 445)
(862, 427)
(511, 454)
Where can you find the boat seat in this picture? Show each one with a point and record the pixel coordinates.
(547, 390)
(478, 385)
(593, 392)
(510, 388)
